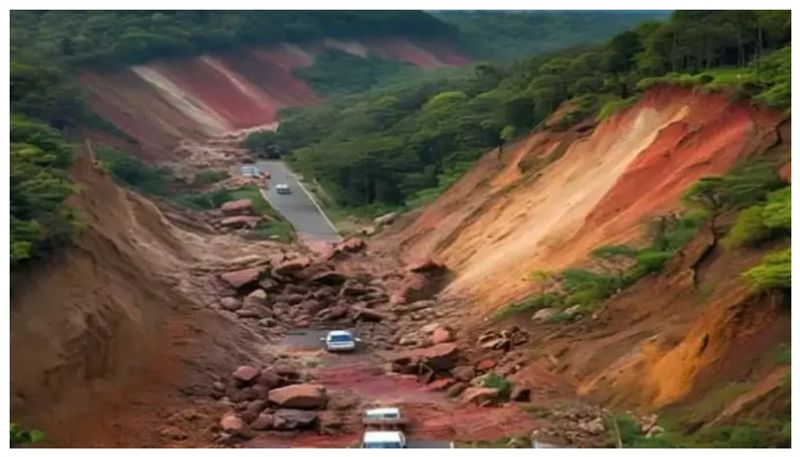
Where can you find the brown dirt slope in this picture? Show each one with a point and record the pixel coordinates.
(101, 336)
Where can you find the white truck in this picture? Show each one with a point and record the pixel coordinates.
(383, 439)
(383, 428)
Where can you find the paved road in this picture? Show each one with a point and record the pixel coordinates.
(299, 208)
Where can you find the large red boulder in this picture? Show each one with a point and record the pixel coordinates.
(303, 396)
(426, 265)
(245, 374)
(441, 357)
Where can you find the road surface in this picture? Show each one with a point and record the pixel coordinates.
(299, 208)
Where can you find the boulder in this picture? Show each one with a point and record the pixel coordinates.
(254, 312)
(329, 422)
(304, 396)
(480, 395)
(593, 427)
(269, 285)
(264, 421)
(269, 378)
(456, 389)
(293, 419)
(430, 328)
(245, 374)
(441, 335)
(232, 424)
(441, 384)
(292, 266)
(243, 206)
(333, 313)
(463, 373)
(385, 219)
(330, 278)
(353, 244)
(256, 298)
(240, 221)
(486, 364)
(544, 314)
(442, 357)
(241, 278)
(230, 303)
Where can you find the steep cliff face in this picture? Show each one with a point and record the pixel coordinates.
(554, 196)
(161, 103)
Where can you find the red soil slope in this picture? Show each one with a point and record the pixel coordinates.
(497, 225)
(209, 96)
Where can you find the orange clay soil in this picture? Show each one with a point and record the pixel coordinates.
(498, 224)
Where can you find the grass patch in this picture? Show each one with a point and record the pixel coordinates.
(774, 273)
(614, 106)
(495, 381)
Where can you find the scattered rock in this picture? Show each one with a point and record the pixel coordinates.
(463, 372)
(441, 384)
(291, 266)
(231, 424)
(330, 278)
(456, 389)
(442, 357)
(353, 244)
(269, 377)
(241, 278)
(245, 374)
(594, 427)
(305, 396)
(218, 386)
(256, 298)
(269, 285)
(243, 206)
(240, 222)
(264, 421)
(544, 314)
(371, 315)
(329, 422)
(441, 335)
(292, 419)
(486, 364)
(385, 219)
(230, 303)
(480, 395)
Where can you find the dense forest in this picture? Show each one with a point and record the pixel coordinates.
(116, 38)
(402, 145)
(503, 35)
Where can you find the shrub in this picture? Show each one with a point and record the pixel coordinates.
(748, 229)
(743, 186)
(21, 437)
(777, 212)
(650, 261)
(135, 173)
(614, 106)
(608, 252)
(587, 288)
(495, 381)
(773, 273)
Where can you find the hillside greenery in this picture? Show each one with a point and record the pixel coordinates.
(110, 39)
(403, 144)
(505, 35)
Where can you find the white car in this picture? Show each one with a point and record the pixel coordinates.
(283, 189)
(250, 170)
(383, 440)
(340, 340)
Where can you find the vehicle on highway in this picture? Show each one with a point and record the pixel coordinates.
(283, 189)
(383, 418)
(383, 440)
(340, 341)
(250, 170)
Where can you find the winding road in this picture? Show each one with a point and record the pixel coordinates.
(299, 208)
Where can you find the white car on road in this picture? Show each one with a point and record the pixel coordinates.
(340, 341)
(383, 440)
(283, 189)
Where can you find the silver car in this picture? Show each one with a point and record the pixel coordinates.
(283, 189)
(340, 341)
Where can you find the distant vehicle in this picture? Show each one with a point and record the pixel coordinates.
(388, 418)
(283, 189)
(383, 440)
(250, 170)
(340, 341)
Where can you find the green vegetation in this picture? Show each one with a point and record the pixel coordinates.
(533, 303)
(510, 34)
(745, 185)
(495, 381)
(774, 273)
(614, 106)
(403, 144)
(115, 38)
(136, 174)
(40, 222)
(208, 177)
(21, 437)
(336, 72)
(784, 355)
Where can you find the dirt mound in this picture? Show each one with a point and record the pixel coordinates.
(551, 198)
(106, 333)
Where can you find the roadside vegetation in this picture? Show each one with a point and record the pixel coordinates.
(402, 144)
